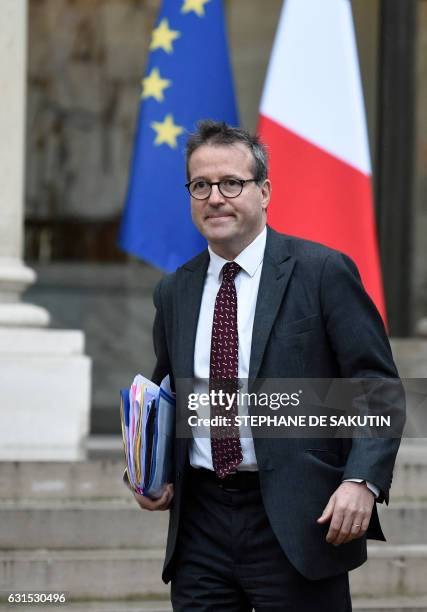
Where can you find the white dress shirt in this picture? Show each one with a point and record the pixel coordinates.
(247, 284)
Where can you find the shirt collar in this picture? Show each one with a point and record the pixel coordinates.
(249, 259)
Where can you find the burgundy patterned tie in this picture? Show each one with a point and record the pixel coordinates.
(225, 441)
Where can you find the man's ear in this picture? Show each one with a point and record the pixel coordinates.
(266, 193)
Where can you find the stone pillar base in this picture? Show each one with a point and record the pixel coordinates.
(44, 395)
(23, 315)
(15, 277)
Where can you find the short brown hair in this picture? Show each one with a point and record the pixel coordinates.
(219, 133)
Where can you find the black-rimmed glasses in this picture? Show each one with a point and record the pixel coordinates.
(228, 187)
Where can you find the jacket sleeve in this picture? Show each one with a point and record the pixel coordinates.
(163, 365)
(359, 340)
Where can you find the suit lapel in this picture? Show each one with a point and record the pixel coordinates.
(190, 281)
(276, 272)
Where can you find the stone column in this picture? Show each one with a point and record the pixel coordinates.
(14, 275)
(44, 375)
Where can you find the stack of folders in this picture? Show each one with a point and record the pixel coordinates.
(147, 414)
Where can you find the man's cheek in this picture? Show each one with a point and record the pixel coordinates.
(196, 216)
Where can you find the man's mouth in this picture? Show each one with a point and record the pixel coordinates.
(219, 216)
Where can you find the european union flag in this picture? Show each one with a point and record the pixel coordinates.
(188, 78)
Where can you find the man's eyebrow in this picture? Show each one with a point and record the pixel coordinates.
(222, 178)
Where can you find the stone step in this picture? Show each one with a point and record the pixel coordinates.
(398, 604)
(392, 570)
(101, 478)
(62, 524)
(134, 574)
(85, 574)
(410, 474)
(404, 522)
(106, 606)
(96, 479)
(395, 604)
(118, 523)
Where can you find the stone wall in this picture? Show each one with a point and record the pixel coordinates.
(86, 59)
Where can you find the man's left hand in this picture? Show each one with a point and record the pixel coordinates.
(349, 510)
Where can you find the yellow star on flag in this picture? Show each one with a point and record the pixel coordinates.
(198, 6)
(162, 37)
(153, 85)
(166, 131)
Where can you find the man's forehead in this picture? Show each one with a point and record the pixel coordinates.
(214, 155)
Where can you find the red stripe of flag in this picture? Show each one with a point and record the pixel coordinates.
(318, 197)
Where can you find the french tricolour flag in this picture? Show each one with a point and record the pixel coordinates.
(312, 119)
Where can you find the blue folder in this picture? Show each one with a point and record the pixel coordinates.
(147, 415)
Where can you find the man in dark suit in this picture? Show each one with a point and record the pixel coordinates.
(269, 524)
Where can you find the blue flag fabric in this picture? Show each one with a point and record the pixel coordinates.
(188, 78)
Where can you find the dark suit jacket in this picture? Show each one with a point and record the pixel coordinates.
(313, 319)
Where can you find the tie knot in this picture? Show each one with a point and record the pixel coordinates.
(230, 271)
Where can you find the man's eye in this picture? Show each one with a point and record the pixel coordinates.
(200, 185)
(231, 183)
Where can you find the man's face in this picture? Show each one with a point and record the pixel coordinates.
(228, 224)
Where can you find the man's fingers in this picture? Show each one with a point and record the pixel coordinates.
(161, 503)
(365, 523)
(169, 490)
(166, 498)
(334, 527)
(145, 502)
(351, 514)
(345, 529)
(358, 529)
(328, 511)
(355, 533)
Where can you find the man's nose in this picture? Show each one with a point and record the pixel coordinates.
(216, 196)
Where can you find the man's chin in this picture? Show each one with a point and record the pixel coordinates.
(218, 234)
(219, 226)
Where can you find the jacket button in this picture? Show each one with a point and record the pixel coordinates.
(178, 475)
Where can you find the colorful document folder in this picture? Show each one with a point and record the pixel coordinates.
(147, 414)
